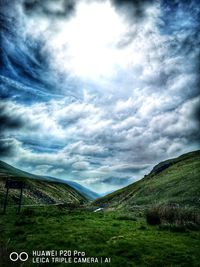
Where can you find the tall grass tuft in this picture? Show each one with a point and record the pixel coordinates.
(174, 217)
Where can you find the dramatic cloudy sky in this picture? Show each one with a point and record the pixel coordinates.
(98, 91)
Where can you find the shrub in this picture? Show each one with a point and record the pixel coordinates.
(153, 216)
(178, 218)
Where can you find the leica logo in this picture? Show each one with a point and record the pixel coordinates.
(14, 256)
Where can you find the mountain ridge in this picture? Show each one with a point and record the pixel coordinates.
(37, 190)
(89, 194)
(171, 181)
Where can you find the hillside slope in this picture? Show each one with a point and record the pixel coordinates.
(172, 181)
(89, 194)
(36, 190)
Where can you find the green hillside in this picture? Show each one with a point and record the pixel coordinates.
(172, 181)
(36, 190)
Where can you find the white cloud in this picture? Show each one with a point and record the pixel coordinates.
(84, 149)
(80, 166)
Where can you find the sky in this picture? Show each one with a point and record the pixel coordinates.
(98, 92)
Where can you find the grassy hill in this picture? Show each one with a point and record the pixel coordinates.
(37, 190)
(89, 194)
(172, 181)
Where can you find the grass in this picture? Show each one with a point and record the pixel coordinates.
(125, 237)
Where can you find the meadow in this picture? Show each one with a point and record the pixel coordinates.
(123, 236)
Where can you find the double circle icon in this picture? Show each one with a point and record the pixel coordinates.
(14, 256)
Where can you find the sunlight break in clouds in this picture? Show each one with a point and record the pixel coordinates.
(86, 45)
(94, 43)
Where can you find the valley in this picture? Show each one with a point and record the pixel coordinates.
(153, 222)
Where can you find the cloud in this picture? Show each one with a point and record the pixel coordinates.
(181, 122)
(125, 168)
(113, 180)
(9, 147)
(59, 8)
(85, 149)
(135, 9)
(8, 119)
(124, 89)
(80, 166)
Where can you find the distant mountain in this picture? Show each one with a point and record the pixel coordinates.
(89, 194)
(37, 188)
(106, 193)
(172, 181)
(84, 191)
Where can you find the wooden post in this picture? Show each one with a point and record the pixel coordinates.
(20, 201)
(5, 201)
(13, 184)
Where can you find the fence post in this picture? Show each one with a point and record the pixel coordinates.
(5, 201)
(20, 201)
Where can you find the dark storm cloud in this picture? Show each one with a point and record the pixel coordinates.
(180, 19)
(25, 71)
(8, 147)
(50, 8)
(135, 9)
(9, 121)
(21, 62)
(196, 113)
